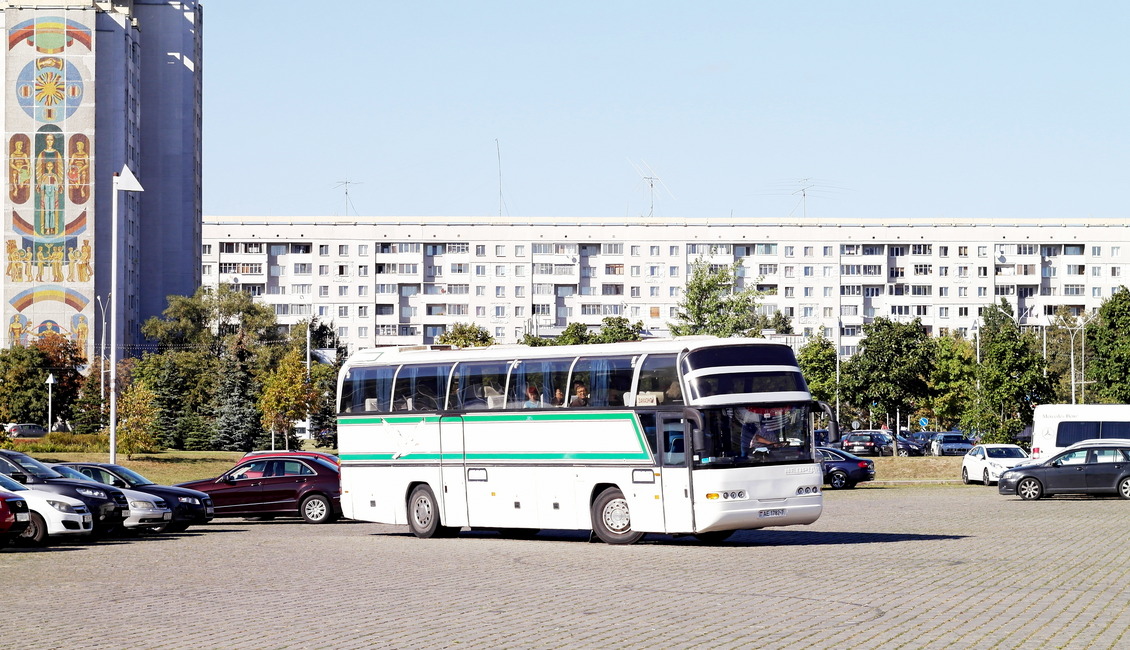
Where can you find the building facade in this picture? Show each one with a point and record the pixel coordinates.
(90, 87)
(399, 281)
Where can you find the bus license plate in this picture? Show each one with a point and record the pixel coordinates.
(779, 512)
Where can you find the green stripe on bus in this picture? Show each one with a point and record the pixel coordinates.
(587, 418)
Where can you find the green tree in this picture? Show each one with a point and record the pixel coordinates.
(287, 396)
(323, 415)
(1010, 378)
(574, 334)
(91, 413)
(817, 359)
(63, 359)
(889, 374)
(137, 421)
(23, 373)
(238, 423)
(210, 319)
(466, 335)
(614, 329)
(952, 382)
(712, 304)
(1108, 348)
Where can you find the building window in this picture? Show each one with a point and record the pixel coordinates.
(499, 250)
(480, 250)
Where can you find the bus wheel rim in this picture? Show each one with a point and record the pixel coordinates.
(616, 516)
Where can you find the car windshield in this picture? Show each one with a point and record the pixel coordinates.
(131, 477)
(953, 438)
(10, 484)
(757, 434)
(1005, 452)
(33, 467)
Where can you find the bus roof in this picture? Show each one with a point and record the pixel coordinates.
(422, 354)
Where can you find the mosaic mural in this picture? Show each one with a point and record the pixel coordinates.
(49, 205)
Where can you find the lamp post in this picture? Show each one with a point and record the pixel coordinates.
(50, 384)
(124, 182)
(1081, 327)
(102, 351)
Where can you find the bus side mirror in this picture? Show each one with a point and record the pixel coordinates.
(698, 438)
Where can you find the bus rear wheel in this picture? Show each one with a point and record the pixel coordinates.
(611, 520)
(423, 515)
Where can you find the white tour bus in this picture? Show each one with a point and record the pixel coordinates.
(1056, 426)
(694, 435)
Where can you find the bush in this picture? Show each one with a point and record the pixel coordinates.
(60, 441)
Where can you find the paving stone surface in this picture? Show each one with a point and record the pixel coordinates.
(884, 567)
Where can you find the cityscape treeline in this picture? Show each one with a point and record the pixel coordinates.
(223, 375)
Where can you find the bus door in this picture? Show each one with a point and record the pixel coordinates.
(673, 440)
(452, 491)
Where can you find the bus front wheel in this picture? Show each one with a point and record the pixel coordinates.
(423, 515)
(611, 520)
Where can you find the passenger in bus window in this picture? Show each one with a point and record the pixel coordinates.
(754, 434)
(580, 395)
(558, 397)
(532, 401)
(674, 393)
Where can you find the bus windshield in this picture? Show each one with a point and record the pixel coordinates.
(756, 434)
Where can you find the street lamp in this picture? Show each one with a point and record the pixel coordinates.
(125, 182)
(1081, 327)
(102, 351)
(50, 384)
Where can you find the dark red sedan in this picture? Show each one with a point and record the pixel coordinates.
(14, 517)
(279, 485)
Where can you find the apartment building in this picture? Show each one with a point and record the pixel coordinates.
(396, 281)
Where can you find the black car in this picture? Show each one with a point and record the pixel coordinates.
(910, 447)
(874, 443)
(844, 470)
(108, 505)
(1088, 467)
(188, 506)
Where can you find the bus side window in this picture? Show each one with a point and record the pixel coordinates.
(647, 423)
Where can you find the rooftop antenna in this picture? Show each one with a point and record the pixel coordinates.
(650, 177)
(498, 150)
(348, 203)
(805, 185)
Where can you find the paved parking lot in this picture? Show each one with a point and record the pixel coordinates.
(889, 567)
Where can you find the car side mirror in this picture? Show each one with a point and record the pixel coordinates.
(228, 478)
(19, 477)
(118, 483)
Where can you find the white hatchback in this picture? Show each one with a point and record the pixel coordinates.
(52, 515)
(986, 462)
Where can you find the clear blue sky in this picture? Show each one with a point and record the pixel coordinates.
(890, 109)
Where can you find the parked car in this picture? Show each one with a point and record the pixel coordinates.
(843, 470)
(921, 438)
(1087, 467)
(147, 512)
(296, 452)
(108, 506)
(908, 447)
(274, 485)
(949, 444)
(874, 443)
(52, 515)
(15, 515)
(986, 462)
(27, 430)
(188, 506)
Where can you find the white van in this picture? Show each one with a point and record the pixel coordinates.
(1056, 426)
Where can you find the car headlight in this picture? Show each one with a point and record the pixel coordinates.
(193, 500)
(91, 492)
(60, 506)
(142, 505)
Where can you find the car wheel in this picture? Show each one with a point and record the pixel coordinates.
(965, 476)
(838, 480)
(904, 452)
(423, 515)
(611, 520)
(36, 532)
(1029, 489)
(714, 536)
(985, 478)
(1124, 488)
(317, 509)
